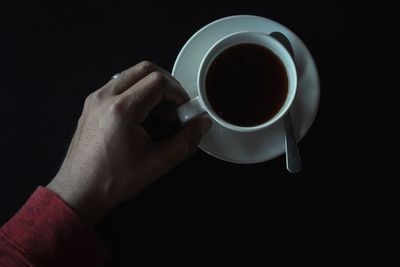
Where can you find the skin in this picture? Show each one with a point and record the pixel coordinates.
(111, 157)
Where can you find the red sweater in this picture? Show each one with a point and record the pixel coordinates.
(47, 232)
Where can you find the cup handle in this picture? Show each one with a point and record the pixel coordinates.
(190, 110)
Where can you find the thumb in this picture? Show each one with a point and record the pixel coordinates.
(183, 144)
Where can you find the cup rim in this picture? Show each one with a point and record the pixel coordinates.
(209, 57)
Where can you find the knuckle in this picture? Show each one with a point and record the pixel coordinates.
(94, 98)
(112, 85)
(117, 107)
(147, 66)
(98, 95)
(158, 78)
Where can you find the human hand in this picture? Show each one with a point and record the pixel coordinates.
(111, 157)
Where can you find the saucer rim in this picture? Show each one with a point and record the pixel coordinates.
(316, 81)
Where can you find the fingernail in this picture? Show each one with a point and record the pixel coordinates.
(205, 124)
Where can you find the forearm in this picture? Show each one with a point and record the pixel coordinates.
(46, 232)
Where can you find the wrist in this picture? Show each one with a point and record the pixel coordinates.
(86, 204)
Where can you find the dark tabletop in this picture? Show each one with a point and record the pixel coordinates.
(342, 207)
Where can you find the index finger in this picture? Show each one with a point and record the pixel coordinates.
(158, 86)
(130, 76)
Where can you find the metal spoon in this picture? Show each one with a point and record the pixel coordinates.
(293, 160)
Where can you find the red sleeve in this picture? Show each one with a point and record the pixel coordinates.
(47, 232)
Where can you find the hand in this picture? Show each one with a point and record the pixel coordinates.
(111, 157)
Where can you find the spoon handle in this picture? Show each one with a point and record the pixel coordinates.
(293, 160)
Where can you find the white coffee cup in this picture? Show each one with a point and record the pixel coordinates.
(200, 105)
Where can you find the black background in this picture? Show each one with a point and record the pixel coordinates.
(342, 208)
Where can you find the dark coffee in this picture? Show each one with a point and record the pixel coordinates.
(246, 84)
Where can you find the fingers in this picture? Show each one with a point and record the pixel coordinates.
(131, 76)
(147, 93)
(180, 146)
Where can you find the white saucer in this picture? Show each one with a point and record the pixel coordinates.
(269, 143)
